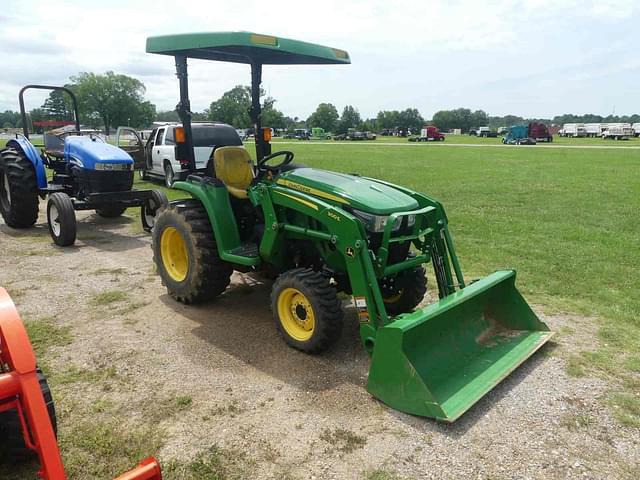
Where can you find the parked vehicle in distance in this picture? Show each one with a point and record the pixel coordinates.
(539, 132)
(594, 130)
(573, 130)
(318, 133)
(618, 131)
(518, 135)
(160, 151)
(428, 133)
(636, 129)
(301, 134)
(353, 134)
(483, 132)
(503, 130)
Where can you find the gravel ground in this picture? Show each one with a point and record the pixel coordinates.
(287, 414)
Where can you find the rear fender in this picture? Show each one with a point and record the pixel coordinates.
(29, 151)
(215, 200)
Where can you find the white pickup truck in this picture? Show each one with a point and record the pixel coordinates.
(159, 151)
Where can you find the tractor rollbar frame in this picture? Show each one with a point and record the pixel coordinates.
(184, 109)
(23, 113)
(263, 148)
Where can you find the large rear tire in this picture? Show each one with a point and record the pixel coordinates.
(306, 309)
(186, 255)
(403, 293)
(18, 189)
(61, 218)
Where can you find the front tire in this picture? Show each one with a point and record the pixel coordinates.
(151, 208)
(61, 218)
(405, 291)
(18, 189)
(306, 309)
(186, 255)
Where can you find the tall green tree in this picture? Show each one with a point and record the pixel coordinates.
(56, 106)
(410, 119)
(326, 116)
(350, 118)
(116, 99)
(233, 108)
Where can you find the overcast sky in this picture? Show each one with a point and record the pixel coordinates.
(532, 58)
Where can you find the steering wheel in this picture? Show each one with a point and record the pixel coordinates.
(288, 158)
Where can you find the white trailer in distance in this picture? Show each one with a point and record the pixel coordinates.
(618, 131)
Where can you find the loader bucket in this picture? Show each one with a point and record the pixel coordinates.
(440, 360)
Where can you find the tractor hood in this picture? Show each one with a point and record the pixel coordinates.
(91, 153)
(348, 190)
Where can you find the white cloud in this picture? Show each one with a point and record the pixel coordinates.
(430, 55)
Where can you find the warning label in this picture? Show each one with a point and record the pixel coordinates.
(361, 307)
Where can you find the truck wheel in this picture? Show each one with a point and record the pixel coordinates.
(186, 255)
(151, 208)
(112, 211)
(403, 293)
(306, 309)
(61, 218)
(168, 175)
(12, 441)
(18, 189)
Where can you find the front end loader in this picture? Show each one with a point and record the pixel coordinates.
(319, 233)
(27, 412)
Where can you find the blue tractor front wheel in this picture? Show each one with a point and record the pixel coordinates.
(61, 217)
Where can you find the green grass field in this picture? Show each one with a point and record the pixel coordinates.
(565, 219)
(467, 139)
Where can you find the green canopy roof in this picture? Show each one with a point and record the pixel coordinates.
(245, 47)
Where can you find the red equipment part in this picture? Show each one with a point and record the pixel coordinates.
(20, 391)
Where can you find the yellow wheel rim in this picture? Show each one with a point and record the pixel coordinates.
(392, 298)
(296, 314)
(175, 256)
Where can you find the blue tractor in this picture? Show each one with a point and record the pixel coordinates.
(88, 174)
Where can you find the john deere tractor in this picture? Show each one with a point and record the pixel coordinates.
(319, 233)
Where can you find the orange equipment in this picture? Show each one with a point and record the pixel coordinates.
(20, 391)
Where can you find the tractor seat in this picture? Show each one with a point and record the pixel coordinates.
(234, 168)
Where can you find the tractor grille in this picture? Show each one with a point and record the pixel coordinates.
(95, 181)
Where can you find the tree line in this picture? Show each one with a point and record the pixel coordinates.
(109, 100)
(105, 101)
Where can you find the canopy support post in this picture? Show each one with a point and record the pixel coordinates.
(255, 112)
(184, 109)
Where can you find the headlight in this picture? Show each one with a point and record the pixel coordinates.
(112, 166)
(376, 223)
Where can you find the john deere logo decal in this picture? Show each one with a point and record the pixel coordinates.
(350, 252)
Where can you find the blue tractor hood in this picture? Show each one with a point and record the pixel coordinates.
(88, 151)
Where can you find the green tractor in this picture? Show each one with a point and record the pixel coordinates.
(320, 234)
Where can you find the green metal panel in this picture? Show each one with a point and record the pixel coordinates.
(216, 202)
(361, 193)
(245, 47)
(440, 360)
